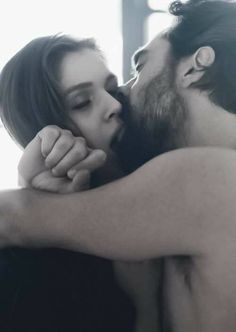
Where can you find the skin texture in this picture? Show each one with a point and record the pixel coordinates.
(179, 206)
(89, 87)
(56, 161)
(202, 122)
(139, 279)
(207, 177)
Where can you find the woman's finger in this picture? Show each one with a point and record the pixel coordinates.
(94, 160)
(48, 136)
(61, 148)
(75, 155)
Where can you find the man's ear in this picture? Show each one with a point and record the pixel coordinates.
(192, 68)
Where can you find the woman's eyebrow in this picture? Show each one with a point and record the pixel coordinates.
(76, 87)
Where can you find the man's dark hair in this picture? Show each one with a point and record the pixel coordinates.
(30, 93)
(209, 23)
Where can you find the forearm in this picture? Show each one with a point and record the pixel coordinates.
(12, 205)
(151, 213)
(31, 218)
(22, 222)
(128, 219)
(80, 221)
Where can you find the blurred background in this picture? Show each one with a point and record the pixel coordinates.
(119, 26)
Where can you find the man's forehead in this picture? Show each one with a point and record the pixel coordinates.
(157, 44)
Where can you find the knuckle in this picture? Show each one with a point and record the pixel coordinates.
(57, 170)
(52, 127)
(81, 149)
(65, 142)
(49, 162)
(81, 152)
(53, 131)
(81, 140)
(67, 132)
(100, 155)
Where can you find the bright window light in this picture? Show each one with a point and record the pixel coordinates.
(79, 18)
(156, 23)
(10, 154)
(23, 20)
(159, 4)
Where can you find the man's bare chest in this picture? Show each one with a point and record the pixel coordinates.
(195, 296)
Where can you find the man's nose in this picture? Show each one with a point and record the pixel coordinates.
(125, 88)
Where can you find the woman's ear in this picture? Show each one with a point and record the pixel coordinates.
(191, 69)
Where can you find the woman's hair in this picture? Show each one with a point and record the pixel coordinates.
(209, 23)
(30, 93)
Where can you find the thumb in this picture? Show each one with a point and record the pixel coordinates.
(45, 181)
(81, 180)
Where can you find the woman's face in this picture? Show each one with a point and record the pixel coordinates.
(89, 87)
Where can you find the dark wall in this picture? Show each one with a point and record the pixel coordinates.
(134, 13)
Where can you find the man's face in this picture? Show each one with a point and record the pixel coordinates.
(155, 122)
(149, 62)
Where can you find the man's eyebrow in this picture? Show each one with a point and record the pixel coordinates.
(75, 87)
(111, 78)
(137, 55)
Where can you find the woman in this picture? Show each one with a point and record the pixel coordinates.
(57, 80)
(41, 98)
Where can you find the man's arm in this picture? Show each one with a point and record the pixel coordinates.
(179, 203)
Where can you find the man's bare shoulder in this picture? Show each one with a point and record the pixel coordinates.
(191, 166)
(195, 157)
(203, 181)
(192, 170)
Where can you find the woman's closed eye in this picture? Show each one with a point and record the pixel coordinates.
(81, 103)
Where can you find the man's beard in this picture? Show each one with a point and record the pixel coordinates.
(154, 126)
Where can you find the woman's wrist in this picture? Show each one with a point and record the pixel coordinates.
(8, 219)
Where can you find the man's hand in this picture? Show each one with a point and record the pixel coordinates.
(57, 161)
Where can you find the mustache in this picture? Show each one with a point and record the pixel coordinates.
(125, 103)
(134, 148)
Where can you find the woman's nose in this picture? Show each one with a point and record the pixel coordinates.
(114, 108)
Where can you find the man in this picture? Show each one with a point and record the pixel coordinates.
(180, 205)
